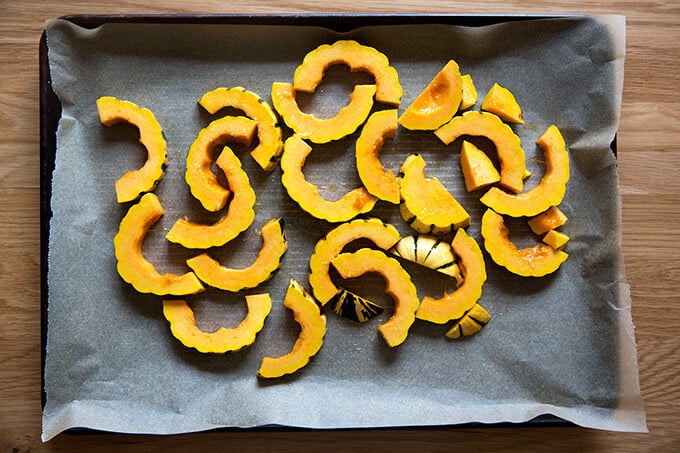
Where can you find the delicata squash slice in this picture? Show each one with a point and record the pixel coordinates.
(269, 134)
(357, 57)
(549, 191)
(183, 326)
(535, 261)
(133, 267)
(274, 245)
(382, 234)
(500, 101)
(239, 216)
(198, 175)
(428, 251)
(469, 324)
(134, 183)
(508, 145)
(355, 202)
(312, 323)
(352, 306)
(398, 285)
(323, 130)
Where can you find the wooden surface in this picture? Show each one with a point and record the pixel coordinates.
(649, 163)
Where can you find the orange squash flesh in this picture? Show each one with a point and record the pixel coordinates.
(552, 218)
(500, 101)
(469, 93)
(478, 170)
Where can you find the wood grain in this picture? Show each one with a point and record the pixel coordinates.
(648, 166)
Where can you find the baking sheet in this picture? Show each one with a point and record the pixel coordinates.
(561, 345)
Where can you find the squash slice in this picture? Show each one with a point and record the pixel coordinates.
(198, 175)
(535, 261)
(556, 239)
(398, 285)
(453, 305)
(381, 126)
(239, 215)
(430, 252)
(352, 306)
(323, 130)
(552, 218)
(312, 330)
(269, 134)
(478, 170)
(274, 245)
(183, 326)
(134, 183)
(500, 101)
(357, 57)
(382, 234)
(355, 202)
(437, 103)
(469, 93)
(427, 206)
(549, 191)
(470, 323)
(508, 145)
(133, 267)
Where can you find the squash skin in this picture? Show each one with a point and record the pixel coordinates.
(240, 213)
(550, 190)
(183, 326)
(469, 324)
(535, 261)
(430, 252)
(380, 127)
(437, 103)
(198, 175)
(306, 195)
(357, 57)
(134, 183)
(269, 134)
(318, 130)
(382, 234)
(131, 264)
(453, 305)
(478, 170)
(274, 246)
(500, 101)
(398, 285)
(508, 145)
(312, 330)
(427, 206)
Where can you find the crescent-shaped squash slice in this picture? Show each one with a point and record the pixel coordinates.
(134, 183)
(355, 202)
(312, 330)
(352, 306)
(500, 101)
(427, 206)
(357, 57)
(239, 215)
(199, 176)
(269, 134)
(183, 326)
(382, 234)
(508, 146)
(133, 267)
(274, 245)
(437, 103)
(453, 305)
(430, 252)
(323, 130)
(478, 170)
(549, 191)
(552, 218)
(469, 93)
(398, 285)
(535, 261)
(380, 127)
(470, 323)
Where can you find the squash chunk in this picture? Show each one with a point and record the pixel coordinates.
(556, 239)
(478, 170)
(398, 285)
(470, 323)
(507, 143)
(357, 57)
(500, 101)
(381, 126)
(549, 191)
(430, 252)
(552, 218)
(355, 202)
(134, 183)
(454, 305)
(133, 267)
(318, 130)
(352, 306)
(312, 330)
(183, 326)
(469, 93)
(274, 245)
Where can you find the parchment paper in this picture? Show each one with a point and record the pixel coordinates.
(561, 345)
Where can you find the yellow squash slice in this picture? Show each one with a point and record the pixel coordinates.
(134, 183)
(133, 267)
(469, 93)
(352, 306)
(556, 239)
(183, 326)
(500, 101)
(312, 330)
(430, 252)
(355, 202)
(478, 170)
(552, 218)
(470, 323)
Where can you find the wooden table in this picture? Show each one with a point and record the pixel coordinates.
(648, 138)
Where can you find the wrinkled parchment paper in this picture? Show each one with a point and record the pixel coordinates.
(561, 345)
